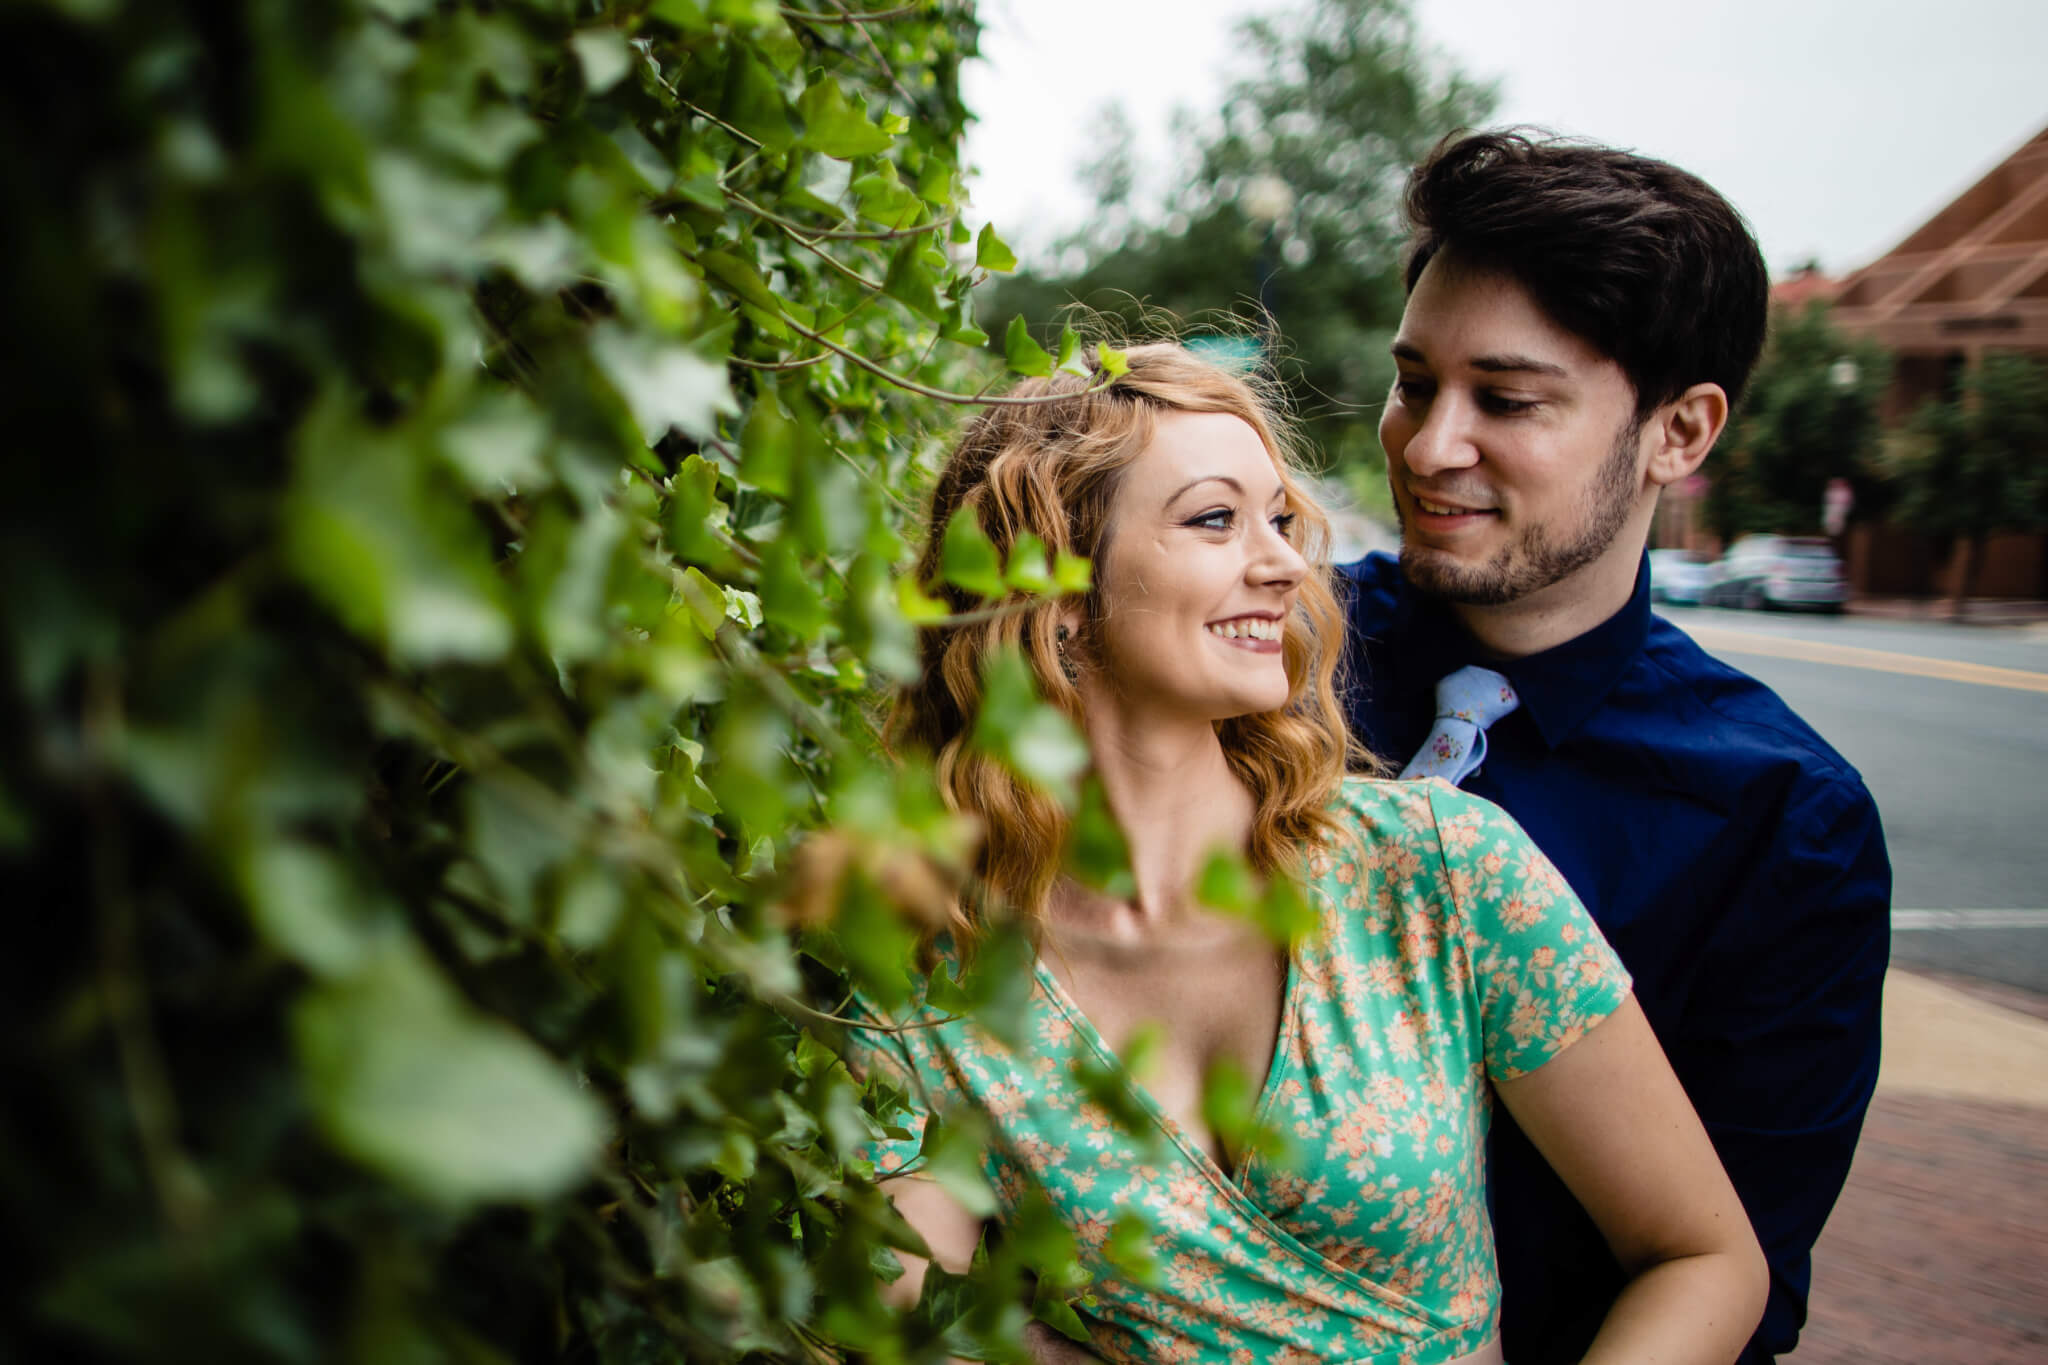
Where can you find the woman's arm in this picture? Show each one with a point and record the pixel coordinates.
(952, 1234)
(949, 1230)
(1616, 1126)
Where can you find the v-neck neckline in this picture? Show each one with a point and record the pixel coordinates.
(1290, 991)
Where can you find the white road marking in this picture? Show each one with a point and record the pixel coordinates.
(1909, 920)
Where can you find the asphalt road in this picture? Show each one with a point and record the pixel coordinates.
(1949, 726)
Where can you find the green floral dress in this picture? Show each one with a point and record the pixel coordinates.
(1450, 950)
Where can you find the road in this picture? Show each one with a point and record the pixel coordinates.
(1949, 726)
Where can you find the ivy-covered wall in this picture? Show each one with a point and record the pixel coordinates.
(459, 454)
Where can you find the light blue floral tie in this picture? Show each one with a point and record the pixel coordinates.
(1467, 702)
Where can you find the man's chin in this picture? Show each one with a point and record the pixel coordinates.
(1491, 584)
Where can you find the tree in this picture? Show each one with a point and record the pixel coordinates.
(1972, 466)
(460, 453)
(1810, 416)
(1342, 97)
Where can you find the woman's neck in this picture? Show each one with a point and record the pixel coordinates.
(1177, 801)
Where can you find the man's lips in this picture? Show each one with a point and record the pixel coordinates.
(1432, 507)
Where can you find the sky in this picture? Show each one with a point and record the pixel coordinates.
(1836, 126)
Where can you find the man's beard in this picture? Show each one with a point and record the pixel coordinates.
(1536, 559)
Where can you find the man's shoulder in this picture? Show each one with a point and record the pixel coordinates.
(1733, 724)
(1372, 589)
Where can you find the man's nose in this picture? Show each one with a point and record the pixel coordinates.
(1443, 441)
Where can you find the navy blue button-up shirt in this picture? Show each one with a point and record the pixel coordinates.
(1735, 862)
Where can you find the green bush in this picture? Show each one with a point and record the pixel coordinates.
(460, 453)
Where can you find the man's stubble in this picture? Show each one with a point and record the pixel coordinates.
(1536, 559)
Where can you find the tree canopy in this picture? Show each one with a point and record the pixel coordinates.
(1810, 416)
(1970, 466)
(1291, 207)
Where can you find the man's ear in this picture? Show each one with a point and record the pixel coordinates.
(1683, 431)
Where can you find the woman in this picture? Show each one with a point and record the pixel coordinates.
(1452, 962)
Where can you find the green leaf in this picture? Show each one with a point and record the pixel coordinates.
(1070, 347)
(916, 607)
(1111, 361)
(1033, 739)
(456, 1107)
(1071, 574)
(1226, 884)
(789, 595)
(882, 197)
(768, 448)
(741, 278)
(1021, 353)
(833, 126)
(1026, 570)
(706, 601)
(1097, 853)
(754, 103)
(1057, 1313)
(665, 386)
(967, 560)
(604, 55)
(990, 253)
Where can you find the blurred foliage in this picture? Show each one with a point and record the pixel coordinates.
(460, 456)
(1810, 415)
(1287, 207)
(1971, 466)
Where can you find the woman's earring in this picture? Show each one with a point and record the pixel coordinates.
(1059, 638)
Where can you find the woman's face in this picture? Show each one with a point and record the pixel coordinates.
(1200, 576)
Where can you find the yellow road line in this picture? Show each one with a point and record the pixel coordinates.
(1880, 660)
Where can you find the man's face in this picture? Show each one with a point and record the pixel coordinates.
(1512, 445)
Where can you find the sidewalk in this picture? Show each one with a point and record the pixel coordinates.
(1938, 1250)
(1978, 611)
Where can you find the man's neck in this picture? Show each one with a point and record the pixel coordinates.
(1563, 611)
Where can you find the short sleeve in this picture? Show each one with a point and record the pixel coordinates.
(1542, 972)
(880, 1057)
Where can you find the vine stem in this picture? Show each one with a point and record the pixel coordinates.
(965, 400)
(846, 16)
(835, 234)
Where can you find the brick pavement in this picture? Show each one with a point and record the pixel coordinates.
(1937, 1253)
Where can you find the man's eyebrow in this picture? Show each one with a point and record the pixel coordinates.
(1491, 364)
(1516, 364)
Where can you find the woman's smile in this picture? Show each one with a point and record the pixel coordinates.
(1259, 634)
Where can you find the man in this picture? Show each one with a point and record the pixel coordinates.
(1579, 323)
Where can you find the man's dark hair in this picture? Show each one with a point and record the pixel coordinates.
(1646, 262)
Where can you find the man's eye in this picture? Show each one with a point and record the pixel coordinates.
(1411, 390)
(1501, 403)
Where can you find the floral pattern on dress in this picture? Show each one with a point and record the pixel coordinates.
(1449, 951)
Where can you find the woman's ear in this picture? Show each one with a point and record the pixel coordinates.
(1683, 431)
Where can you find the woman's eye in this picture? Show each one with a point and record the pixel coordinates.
(1218, 520)
(1284, 524)
(1411, 390)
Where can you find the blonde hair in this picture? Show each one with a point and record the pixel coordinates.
(1053, 470)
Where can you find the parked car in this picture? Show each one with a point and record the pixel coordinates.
(1680, 577)
(1779, 571)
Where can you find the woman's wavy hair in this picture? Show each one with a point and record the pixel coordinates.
(1053, 469)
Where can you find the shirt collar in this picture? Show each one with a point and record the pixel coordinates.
(1560, 687)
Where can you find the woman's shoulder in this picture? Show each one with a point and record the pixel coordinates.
(1426, 815)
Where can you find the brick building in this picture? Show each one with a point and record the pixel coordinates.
(1972, 278)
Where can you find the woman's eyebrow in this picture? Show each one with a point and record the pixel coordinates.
(1206, 478)
(1279, 490)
